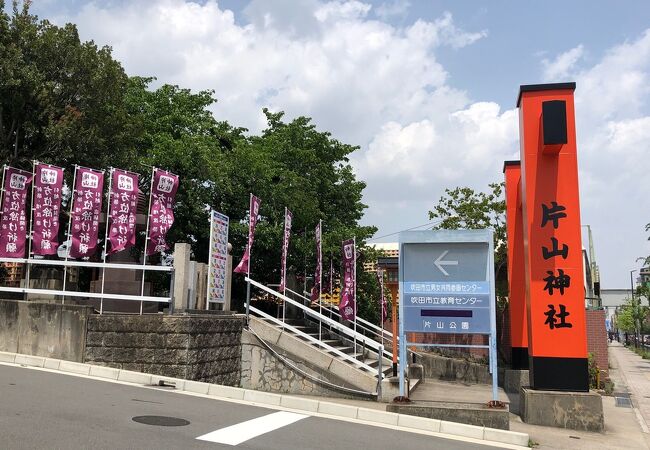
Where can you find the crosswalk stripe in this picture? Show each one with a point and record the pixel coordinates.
(241, 432)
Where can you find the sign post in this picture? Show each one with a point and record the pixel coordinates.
(446, 286)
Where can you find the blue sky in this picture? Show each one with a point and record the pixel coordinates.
(427, 89)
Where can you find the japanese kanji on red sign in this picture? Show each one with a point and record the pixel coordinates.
(46, 205)
(161, 210)
(13, 226)
(123, 206)
(86, 208)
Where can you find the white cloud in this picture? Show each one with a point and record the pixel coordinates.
(380, 86)
(394, 8)
(613, 129)
(559, 68)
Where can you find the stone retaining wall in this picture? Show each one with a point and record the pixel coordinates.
(200, 348)
(263, 371)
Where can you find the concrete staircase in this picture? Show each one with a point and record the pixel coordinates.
(344, 345)
(339, 354)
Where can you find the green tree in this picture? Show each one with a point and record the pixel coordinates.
(293, 164)
(464, 208)
(60, 99)
(631, 316)
(177, 132)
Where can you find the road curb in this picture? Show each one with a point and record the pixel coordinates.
(274, 400)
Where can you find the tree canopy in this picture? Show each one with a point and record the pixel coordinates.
(464, 208)
(66, 102)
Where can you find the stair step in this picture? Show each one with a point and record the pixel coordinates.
(344, 349)
(333, 342)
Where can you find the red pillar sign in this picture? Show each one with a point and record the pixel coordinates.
(555, 294)
(516, 273)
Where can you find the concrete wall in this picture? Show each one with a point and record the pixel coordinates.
(453, 369)
(43, 329)
(264, 371)
(202, 348)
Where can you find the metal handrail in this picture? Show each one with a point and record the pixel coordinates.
(386, 353)
(387, 334)
(302, 334)
(72, 263)
(331, 309)
(351, 334)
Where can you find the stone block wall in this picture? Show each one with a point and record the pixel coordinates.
(200, 348)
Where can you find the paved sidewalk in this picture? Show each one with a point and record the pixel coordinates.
(623, 430)
(634, 378)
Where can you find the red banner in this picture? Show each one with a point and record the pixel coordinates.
(124, 205)
(254, 209)
(288, 217)
(13, 231)
(315, 290)
(86, 208)
(348, 304)
(161, 211)
(46, 205)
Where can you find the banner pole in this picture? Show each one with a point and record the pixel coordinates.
(356, 303)
(381, 300)
(31, 230)
(146, 237)
(67, 252)
(107, 218)
(331, 283)
(320, 278)
(211, 243)
(250, 253)
(284, 269)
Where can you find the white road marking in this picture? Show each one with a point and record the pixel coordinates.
(236, 434)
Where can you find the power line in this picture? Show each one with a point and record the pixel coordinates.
(435, 222)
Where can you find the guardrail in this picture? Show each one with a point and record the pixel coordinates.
(313, 340)
(369, 327)
(92, 295)
(340, 328)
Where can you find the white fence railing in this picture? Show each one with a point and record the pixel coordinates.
(92, 295)
(313, 340)
(367, 327)
(355, 337)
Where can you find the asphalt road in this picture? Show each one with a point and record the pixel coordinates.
(45, 410)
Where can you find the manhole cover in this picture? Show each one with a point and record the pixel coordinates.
(623, 402)
(161, 421)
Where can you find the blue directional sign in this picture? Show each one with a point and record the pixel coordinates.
(446, 285)
(446, 282)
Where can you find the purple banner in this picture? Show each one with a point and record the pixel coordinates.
(161, 211)
(315, 291)
(348, 304)
(382, 298)
(288, 217)
(253, 211)
(13, 228)
(46, 205)
(86, 208)
(124, 206)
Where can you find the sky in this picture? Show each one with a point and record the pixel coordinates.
(426, 89)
